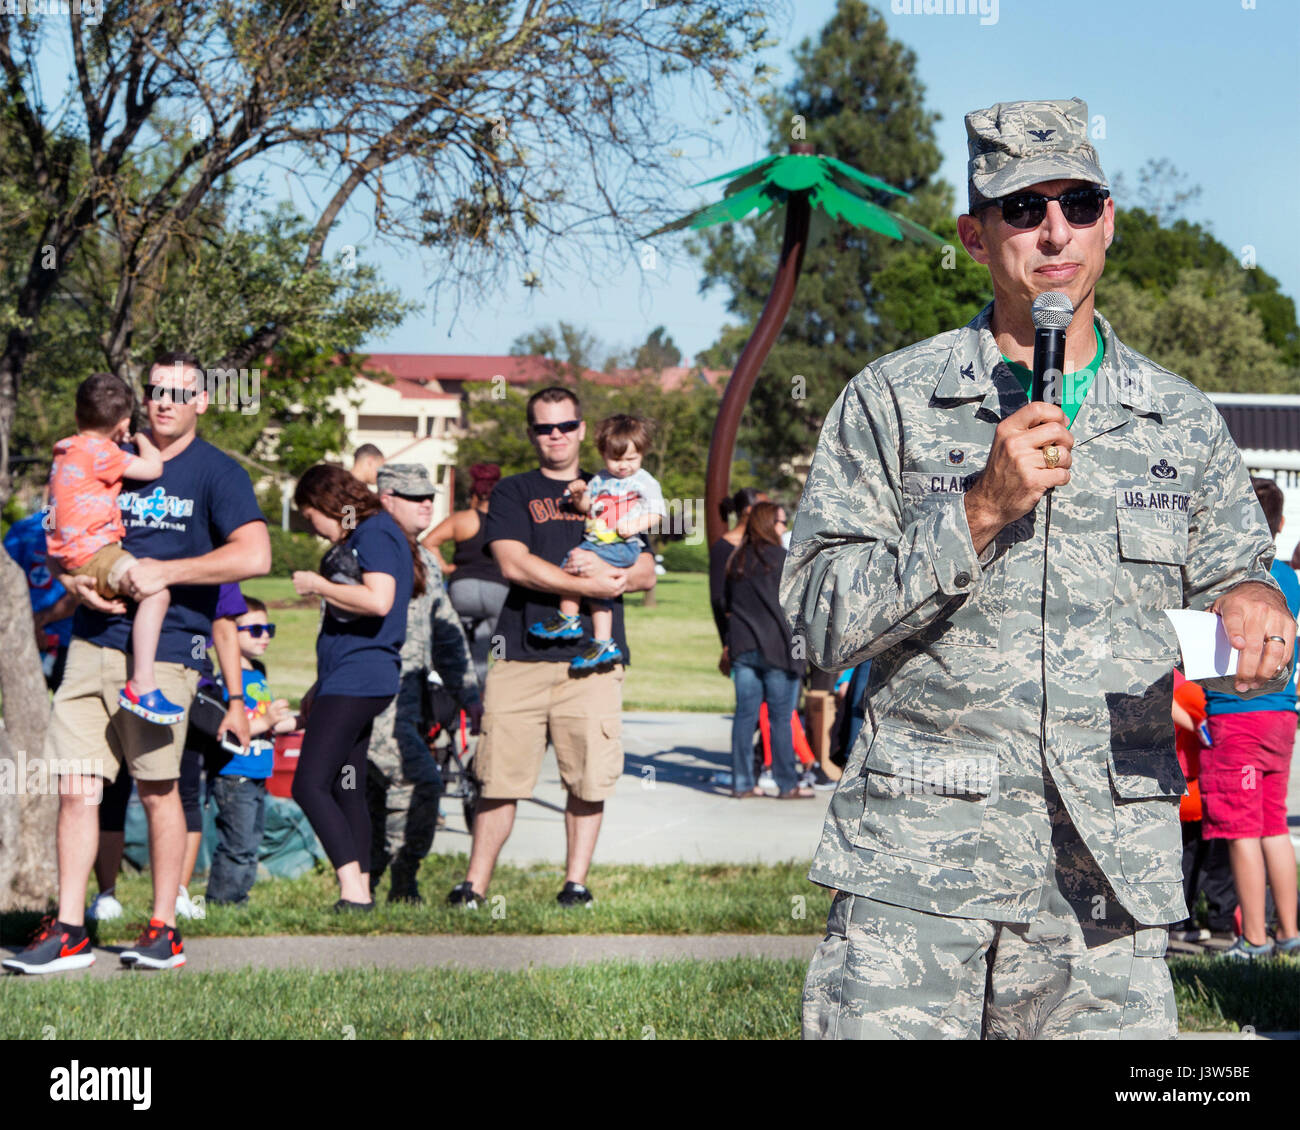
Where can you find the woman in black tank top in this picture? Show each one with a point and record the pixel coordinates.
(474, 581)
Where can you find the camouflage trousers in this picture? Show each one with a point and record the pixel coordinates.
(1082, 968)
(402, 789)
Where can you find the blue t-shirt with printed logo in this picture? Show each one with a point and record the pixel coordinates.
(258, 762)
(202, 497)
(362, 656)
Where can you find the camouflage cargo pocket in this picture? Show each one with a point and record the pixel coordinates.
(1152, 549)
(1148, 785)
(924, 796)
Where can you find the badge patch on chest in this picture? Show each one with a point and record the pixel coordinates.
(1152, 498)
(1164, 472)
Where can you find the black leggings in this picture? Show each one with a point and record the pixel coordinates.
(189, 786)
(334, 799)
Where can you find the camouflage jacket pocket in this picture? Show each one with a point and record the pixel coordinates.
(924, 796)
(1147, 785)
(1152, 549)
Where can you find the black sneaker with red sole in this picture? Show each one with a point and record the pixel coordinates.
(159, 946)
(51, 950)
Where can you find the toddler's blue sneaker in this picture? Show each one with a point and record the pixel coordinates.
(558, 627)
(601, 655)
(152, 706)
(1289, 947)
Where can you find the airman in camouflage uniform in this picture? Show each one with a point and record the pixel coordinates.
(1005, 837)
(403, 784)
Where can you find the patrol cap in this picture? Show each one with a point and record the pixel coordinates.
(409, 479)
(1013, 145)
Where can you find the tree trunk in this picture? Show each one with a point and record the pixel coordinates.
(28, 794)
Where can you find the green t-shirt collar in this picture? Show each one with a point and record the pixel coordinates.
(1075, 385)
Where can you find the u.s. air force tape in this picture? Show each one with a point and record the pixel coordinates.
(1145, 498)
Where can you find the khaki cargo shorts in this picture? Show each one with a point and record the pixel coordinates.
(90, 734)
(106, 568)
(524, 704)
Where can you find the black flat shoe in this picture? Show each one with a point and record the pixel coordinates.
(345, 907)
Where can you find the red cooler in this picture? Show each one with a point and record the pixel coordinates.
(284, 762)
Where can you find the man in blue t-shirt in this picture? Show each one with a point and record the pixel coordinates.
(196, 527)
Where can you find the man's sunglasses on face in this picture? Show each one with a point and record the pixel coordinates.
(413, 497)
(1080, 206)
(566, 426)
(175, 395)
(257, 630)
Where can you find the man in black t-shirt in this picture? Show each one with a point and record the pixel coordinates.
(191, 530)
(530, 693)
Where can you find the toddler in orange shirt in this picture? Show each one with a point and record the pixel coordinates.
(85, 531)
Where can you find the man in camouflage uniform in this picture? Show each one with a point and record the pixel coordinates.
(402, 780)
(1005, 840)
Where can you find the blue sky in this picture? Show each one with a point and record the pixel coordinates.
(1208, 84)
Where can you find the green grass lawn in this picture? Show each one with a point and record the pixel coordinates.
(665, 899)
(737, 998)
(674, 645)
(741, 998)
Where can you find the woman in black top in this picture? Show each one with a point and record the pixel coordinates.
(740, 504)
(761, 647)
(474, 581)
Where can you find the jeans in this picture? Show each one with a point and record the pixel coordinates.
(241, 819)
(757, 682)
(855, 701)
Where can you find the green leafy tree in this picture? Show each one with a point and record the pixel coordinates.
(657, 351)
(1203, 329)
(1154, 258)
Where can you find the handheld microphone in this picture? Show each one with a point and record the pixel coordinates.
(1052, 312)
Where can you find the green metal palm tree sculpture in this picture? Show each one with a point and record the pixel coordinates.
(815, 192)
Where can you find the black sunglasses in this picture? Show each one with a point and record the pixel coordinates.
(414, 497)
(256, 630)
(1080, 206)
(566, 426)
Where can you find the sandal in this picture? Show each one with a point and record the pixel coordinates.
(755, 791)
(797, 793)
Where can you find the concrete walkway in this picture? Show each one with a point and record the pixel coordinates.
(670, 807)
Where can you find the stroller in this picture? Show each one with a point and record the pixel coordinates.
(448, 736)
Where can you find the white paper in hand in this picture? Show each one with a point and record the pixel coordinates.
(1207, 654)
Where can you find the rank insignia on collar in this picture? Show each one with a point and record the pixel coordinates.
(968, 370)
(956, 456)
(1163, 470)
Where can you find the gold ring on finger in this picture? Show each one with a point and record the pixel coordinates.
(1052, 455)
